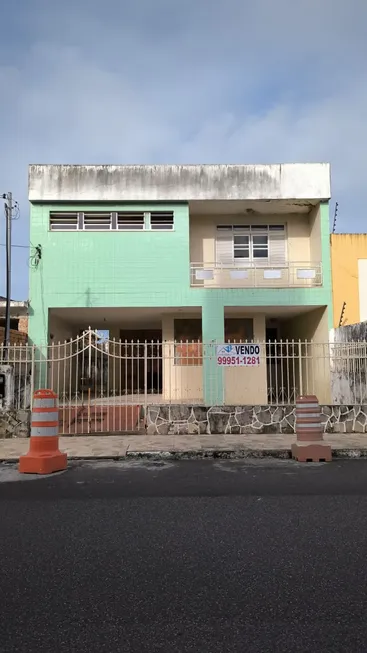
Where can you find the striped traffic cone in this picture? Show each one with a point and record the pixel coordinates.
(44, 456)
(310, 445)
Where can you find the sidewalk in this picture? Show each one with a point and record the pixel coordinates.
(352, 445)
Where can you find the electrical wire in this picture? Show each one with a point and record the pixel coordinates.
(36, 256)
(15, 211)
(21, 246)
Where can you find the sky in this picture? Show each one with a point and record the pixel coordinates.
(166, 81)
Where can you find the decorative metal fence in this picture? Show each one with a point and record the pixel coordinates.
(107, 384)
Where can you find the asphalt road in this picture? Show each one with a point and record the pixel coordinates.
(190, 556)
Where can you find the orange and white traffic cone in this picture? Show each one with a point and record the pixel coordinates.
(44, 456)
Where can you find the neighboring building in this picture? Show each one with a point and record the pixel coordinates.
(349, 278)
(209, 253)
(349, 365)
(18, 321)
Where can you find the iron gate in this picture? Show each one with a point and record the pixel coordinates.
(103, 385)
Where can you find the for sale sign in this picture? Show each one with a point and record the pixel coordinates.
(242, 355)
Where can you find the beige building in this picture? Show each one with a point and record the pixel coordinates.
(349, 278)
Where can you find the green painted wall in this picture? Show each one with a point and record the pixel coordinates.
(326, 259)
(141, 269)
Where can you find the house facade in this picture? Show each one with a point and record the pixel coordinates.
(190, 259)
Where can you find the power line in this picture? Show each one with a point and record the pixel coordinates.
(22, 246)
(9, 208)
(35, 258)
(36, 255)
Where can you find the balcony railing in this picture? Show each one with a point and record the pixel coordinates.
(256, 275)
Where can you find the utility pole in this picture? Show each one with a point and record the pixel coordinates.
(8, 197)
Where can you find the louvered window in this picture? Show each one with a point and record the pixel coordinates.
(162, 220)
(130, 221)
(250, 244)
(63, 221)
(97, 221)
(277, 244)
(224, 246)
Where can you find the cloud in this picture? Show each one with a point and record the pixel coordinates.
(200, 81)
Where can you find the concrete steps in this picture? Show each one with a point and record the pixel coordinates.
(100, 419)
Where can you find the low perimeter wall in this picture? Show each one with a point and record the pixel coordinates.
(186, 420)
(180, 419)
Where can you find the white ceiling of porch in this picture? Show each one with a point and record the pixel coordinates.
(238, 207)
(151, 318)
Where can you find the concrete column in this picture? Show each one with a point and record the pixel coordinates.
(213, 334)
(38, 328)
(115, 367)
(326, 258)
(168, 367)
(38, 335)
(23, 325)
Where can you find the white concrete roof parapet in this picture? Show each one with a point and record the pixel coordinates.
(114, 183)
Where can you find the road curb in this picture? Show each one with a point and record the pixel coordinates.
(234, 454)
(284, 454)
(349, 453)
(211, 453)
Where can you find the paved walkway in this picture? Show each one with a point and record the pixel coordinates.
(115, 446)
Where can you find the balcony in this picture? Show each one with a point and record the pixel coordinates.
(255, 275)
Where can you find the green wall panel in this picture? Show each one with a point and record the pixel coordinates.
(139, 269)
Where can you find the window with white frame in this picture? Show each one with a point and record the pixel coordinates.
(93, 221)
(250, 245)
(161, 220)
(63, 221)
(131, 220)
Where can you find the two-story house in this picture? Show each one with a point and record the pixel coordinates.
(209, 254)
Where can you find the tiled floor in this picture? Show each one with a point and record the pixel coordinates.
(116, 446)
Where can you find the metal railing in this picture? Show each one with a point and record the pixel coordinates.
(256, 275)
(107, 385)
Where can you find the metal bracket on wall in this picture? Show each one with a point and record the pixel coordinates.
(342, 314)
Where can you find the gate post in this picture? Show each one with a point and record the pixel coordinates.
(212, 335)
(310, 445)
(146, 378)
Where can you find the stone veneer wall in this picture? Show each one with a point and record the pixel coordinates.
(15, 423)
(182, 419)
(186, 420)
